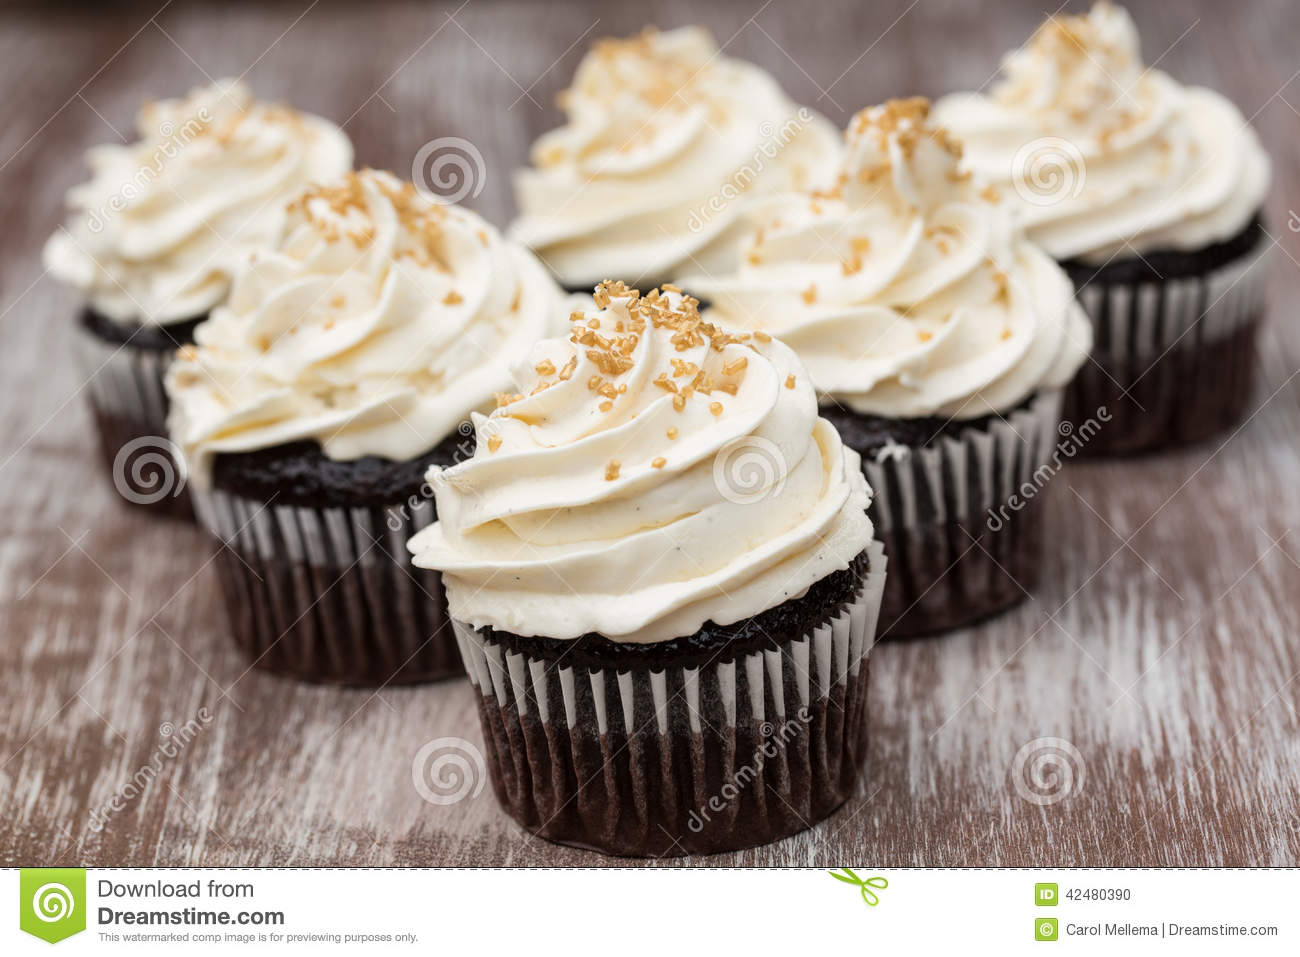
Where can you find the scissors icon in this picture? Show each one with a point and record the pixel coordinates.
(868, 895)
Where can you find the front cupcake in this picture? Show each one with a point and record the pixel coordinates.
(665, 586)
(665, 142)
(346, 362)
(939, 339)
(155, 238)
(1150, 194)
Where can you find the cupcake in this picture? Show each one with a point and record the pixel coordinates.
(665, 142)
(939, 339)
(664, 584)
(344, 364)
(152, 244)
(1149, 193)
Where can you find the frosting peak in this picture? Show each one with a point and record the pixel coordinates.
(657, 471)
(1105, 158)
(664, 141)
(375, 326)
(908, 290)
(158, 232)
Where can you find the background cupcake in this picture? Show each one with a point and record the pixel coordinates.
(157, 234)
(939, 338)
(665, 586)
(340, 369)
(664, 142)
(1150, 194)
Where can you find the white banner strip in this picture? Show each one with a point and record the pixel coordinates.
(629, 911)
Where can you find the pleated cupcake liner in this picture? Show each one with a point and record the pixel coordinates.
(1173, 360)
(328, 594)
(931, 505)
(649, 762)
(129, 404)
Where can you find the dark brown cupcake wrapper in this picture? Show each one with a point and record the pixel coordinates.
(327, 594)
(931, 505)
(699, 760)
(129, 404)
(1173, 361)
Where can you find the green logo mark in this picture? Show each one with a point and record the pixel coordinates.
(866, 886)
(52, 902)
(1045, 895)
(1045, 928)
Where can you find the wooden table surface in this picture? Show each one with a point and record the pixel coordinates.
(1163, 646)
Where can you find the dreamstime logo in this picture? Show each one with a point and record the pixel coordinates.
(1047, 770)
(1047, 171)
(53, 902)
(401, 516)
(749, 469)
(772, 140)
(148, 469)
(448, 770)
(1073, 440)
(449, 169)
(775, 740)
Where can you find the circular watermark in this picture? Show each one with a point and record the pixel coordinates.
(1047, 770)
(1047, 171)
(449, 169)
(749, 469)
(53, 902)
(148, 469)
(448, 770)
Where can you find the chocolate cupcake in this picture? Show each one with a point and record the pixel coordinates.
(665, 142)
(344, 364)
(939, 339)
(1149, 193)
(153, 242)
(665, 587)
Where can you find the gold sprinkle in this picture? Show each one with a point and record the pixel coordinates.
(734, 366)
(669, 287)
(545, 367)
(1006, 334)
(924, 336)
(715, 408)
(672, 433)
(762, 336)
(789, 381)
(659, 463)
(494, 442)
(337, 301)
(594, 383)
(990, 194)
(611, 471)
(452, 298)
(606, 405)
(679, 402)
(810, 294)
(567, 372)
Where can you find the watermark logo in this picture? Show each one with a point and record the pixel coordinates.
(448, 770)
(449, 169)
(1045, 928)
(867, 886)
(148, 469)
(52, 902)
(749, 469)
(1047, 770)
(173, 740)
(1047, 171)
(1073, 441)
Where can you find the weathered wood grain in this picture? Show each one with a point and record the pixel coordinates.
(1170, 659)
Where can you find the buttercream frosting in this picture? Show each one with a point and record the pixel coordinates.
(1106, 158)
(665, 141)
(157, 233)
(907, 290)
(656, 472)
(378, 323)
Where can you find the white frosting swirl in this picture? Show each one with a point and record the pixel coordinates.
(906, 290)
(158, 232)
(660, 473)
(1104, 158)
(376, 326)
(665, 142)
